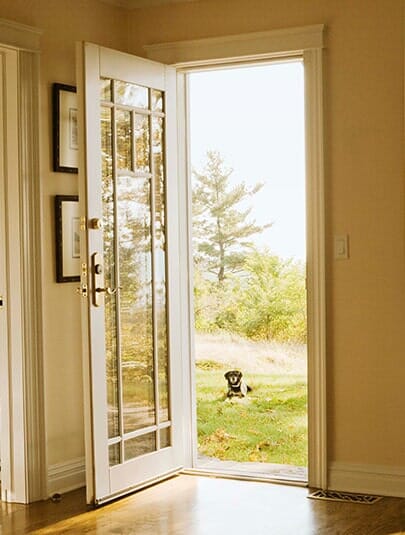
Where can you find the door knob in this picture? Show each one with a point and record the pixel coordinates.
(95, 224)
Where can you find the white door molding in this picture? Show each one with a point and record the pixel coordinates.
(241, 47)
(306, 43)
(22, 404)
(31, 209)
(8, 68)
(316, 277)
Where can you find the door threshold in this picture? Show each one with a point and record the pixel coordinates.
(244, 476)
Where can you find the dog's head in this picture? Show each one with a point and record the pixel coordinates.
(233, 377)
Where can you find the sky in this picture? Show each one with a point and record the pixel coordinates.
(254, 116)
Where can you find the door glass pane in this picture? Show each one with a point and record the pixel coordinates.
(124, 139)
(165, 437)
(107, 193)
(142, 143)
(160, 265)
(135, 261)
(157, 146)
(140, 445)
(105, 89)
(114, 454)
(157, 100)
(131, 95)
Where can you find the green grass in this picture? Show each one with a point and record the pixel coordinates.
(269, 425)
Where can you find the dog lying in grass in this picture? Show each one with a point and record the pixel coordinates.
(236, 384)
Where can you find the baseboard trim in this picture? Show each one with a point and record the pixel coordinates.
(66, 476)
(367, 479)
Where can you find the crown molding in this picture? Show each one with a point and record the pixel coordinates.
(20, 35)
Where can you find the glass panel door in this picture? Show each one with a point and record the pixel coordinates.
(133, 332)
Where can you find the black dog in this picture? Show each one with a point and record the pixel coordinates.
(236, 385)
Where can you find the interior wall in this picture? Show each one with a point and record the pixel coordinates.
(63, 23)
(364, 74)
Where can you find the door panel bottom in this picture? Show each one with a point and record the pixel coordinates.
(140, 486)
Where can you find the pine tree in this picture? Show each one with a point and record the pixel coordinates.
(221, 229)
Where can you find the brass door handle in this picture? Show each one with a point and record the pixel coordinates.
(109, 291)
(99, 290)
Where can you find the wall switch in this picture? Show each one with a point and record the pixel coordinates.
(341, 247)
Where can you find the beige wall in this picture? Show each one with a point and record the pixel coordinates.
(364, 190)
(63, 23)
(364, 193)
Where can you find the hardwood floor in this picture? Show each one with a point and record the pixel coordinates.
(193, 505)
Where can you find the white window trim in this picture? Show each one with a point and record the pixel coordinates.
(23, 436)
(307, 43)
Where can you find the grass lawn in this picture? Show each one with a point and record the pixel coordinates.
(269, 425)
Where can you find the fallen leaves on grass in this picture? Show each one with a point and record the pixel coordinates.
(219, 435)
(218, 440)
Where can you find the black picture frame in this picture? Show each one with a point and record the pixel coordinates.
(67, 238)
(64, 124)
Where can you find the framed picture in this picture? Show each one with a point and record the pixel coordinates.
(65, 141)
(67, 236)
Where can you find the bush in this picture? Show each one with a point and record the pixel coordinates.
(267, 301)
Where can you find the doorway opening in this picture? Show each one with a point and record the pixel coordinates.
(247, 151)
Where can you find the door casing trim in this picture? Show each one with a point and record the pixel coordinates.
(24, 463)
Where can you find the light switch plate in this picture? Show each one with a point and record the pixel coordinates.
(341, 247)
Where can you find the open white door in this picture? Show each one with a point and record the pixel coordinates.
(130, 271)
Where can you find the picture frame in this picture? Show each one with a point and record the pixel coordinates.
(65, 129)
(67, 238)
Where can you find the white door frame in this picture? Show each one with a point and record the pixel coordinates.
(22, 433)
(305, 43)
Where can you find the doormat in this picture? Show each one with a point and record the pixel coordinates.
(347, 497)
